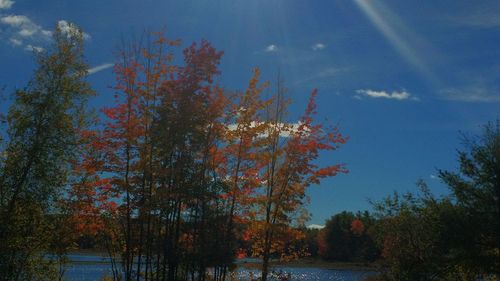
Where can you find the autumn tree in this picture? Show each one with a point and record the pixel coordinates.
(127, 149)
(43, 136)
(160, 146)
(188, 132)
(238, 165)
(288, 159)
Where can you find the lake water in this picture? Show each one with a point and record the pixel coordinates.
(92, 268)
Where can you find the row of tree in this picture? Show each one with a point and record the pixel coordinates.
(172, 179)
(347, 238)
(416, 236)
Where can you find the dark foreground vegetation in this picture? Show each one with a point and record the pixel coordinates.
(416, 236)
(180, 177)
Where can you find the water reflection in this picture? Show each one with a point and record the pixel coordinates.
(92, 268)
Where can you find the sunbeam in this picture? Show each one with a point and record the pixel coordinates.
(398, 35)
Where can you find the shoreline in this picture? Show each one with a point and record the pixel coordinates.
(255, 264)
(315, 263)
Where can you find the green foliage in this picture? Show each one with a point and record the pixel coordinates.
(311, 241)
(454, 238)
(476, 190)
(338, 241)
(411, 237)
(43, 126)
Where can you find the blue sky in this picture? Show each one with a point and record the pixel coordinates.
(400, 78)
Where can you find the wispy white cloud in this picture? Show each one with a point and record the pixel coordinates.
(22, 32)
(433, 177)
(15, 20)
(480, 21)
(99, 68)
(323, 74)
(6, 4)
(32, 48)
(478, 14)
(471, 94)
(271, 48)
(403, 95)
(318, 46)
(15, 42)
(22, 26)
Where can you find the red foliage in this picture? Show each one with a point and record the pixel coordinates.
(322, 244)
(241, 254)
(357, 227)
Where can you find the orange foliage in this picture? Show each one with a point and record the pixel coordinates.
(357, 227)
(322, 243)
(241, 254)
